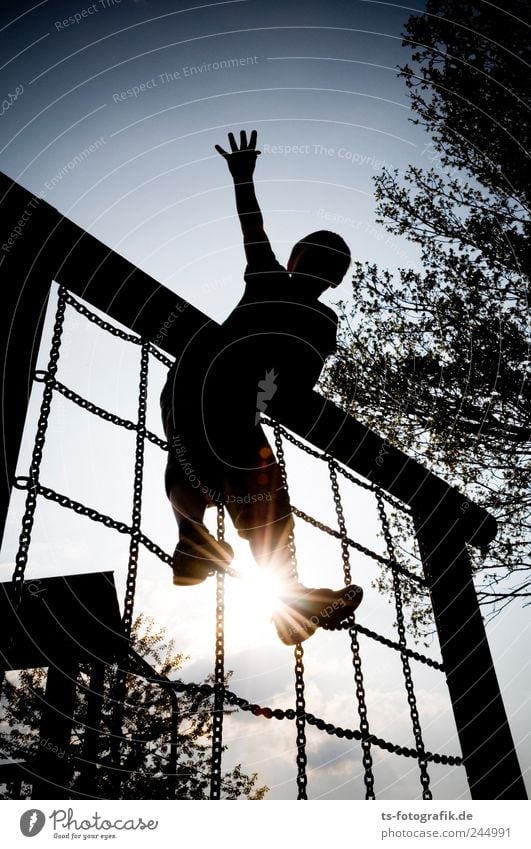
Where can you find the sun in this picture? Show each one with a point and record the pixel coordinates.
(254, 597)
(263, 588)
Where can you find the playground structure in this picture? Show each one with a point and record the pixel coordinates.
(47, 629)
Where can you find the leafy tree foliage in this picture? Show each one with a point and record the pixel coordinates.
(145, 746)
(436, 358)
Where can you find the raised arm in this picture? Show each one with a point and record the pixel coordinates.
(241, 162)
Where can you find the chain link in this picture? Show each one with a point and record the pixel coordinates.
(100, 322)
(219, 672)
(41, 377)
(132, 567)
(281, 460)
(160, 356)
(22, 482)
(371, 487)
(322, 455)
(123, 528)
(120, 681)
(108, 521)
(412, 701)
(115, 331)
(300, 720)
(300, 701)
(206, 691)
(385, 561)
(21, 558)
(354, 642)
(385, 641)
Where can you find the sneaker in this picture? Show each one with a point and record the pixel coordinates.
(195, 559)
(303, 610)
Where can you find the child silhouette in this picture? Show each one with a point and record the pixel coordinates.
(274, 341)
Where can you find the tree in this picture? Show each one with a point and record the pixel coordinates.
(436, 358)
(146, 730)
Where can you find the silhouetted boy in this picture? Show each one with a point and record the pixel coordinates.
(274, 341)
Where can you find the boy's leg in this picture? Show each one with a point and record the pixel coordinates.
(260, 510)
(188, 507)
(197, 553)
(258, 504)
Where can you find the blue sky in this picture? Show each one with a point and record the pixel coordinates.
(115, 123)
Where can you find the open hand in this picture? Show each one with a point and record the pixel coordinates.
(241, 161)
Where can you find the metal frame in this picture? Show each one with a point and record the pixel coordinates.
(55, 625)
(39, 245)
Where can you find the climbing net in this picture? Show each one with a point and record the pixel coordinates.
(220, 695)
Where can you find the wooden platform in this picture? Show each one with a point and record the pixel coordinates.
(72, 615)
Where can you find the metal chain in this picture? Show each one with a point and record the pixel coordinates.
(21, 558)
(412, 701)
(300, 701)
(115, 331)
(385, 561)
(129, 600)
(300, 721)
(372, 487)
(85, 404)
(219, 672)
(233, 700)
(385, 641)
(354, 642)
(108, 521)
(122, 528)
(321, 455)
(160, 356)
(281, 460)
(120, 682)
(34, 488)
(104, 325)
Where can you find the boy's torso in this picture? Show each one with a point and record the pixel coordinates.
(271, 329)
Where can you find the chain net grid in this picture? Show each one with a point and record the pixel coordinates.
(358, 729)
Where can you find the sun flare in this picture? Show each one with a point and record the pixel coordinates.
(263, 589)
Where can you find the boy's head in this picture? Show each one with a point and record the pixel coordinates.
(323, 256)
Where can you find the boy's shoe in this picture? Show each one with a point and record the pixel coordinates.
(194, 559)
(303, 610)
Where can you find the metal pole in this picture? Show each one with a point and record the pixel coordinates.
(88, 767)
(486, 741)
(53, 765)
(25, 278)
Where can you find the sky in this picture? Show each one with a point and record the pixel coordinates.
(114, 111)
